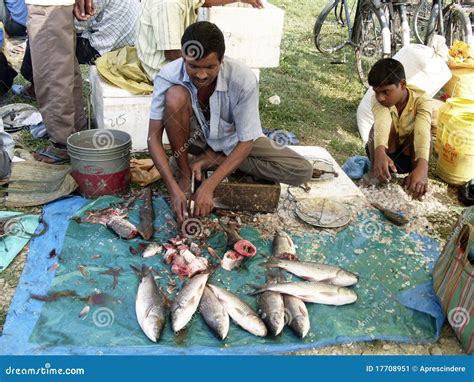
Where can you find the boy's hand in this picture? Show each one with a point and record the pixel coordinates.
(416, 184)
(383, 165)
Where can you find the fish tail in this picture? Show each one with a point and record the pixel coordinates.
(143, 272)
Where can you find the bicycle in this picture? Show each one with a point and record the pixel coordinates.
(380, 28)
(451, 21)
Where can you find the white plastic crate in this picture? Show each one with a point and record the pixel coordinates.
(252, 36)
(116, 108)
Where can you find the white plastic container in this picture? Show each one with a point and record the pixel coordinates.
(252, 36)
(116, 108)
(423, 68)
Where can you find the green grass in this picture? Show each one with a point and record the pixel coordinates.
(319, 100)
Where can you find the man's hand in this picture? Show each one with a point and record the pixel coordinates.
(179, 205)
(84, 9)
(203, 200)
(416, 183)
(254, 3)
(383, 165)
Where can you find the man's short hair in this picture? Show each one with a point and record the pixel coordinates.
(201, 39)
(386, 71)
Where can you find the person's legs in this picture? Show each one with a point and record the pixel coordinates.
(11, 26)
(178, 114)
(56, 73)
(270, 161)
(26, 69)
(7, 75)
(85, 53)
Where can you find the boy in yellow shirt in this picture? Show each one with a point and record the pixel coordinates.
(400, 140)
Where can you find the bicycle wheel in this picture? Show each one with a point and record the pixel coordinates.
(368, 37)
(421, 17)
(458, 26)
(331, 32)
(432, 24)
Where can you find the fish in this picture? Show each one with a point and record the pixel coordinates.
(296, 315)
(315, 271)
(234, 240)
(396, 218)
(231, 260)
(101, 216)
(122, 227)
(54, 296)
(147, 216)
(314, 292)
(187, 301)
(271, 308)
(152, 250)
(214, 314)
(283, 247)
(150, 305)
(242, 314)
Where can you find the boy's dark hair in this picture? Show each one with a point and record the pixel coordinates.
(386, 71)
(201, 39)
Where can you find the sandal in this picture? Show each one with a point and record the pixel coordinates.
(56, 155)
(20, 91)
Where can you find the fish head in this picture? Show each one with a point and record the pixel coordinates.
(152, 327)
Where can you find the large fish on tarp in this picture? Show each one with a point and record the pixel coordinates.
(214, 314)
(296, 315)
(242, 314)
(271, 308)
(147, 216)
(113, 218)
(150, 305)
(315, 271)
(187, 301)
(315, 292)
(283, 247)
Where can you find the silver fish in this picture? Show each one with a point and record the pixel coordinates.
(214, 313)
(296, 315)
(187, 301)
(150, 305)
(152, 250)
(315, 292)
(242, 314)
(271, 309)
(283, 246)
(315, 271)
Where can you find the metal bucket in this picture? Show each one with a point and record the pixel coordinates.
(100, 161)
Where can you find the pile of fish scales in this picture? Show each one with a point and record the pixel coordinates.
(419, 212)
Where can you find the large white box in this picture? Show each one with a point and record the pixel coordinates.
(116, 108)
(252, 36)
